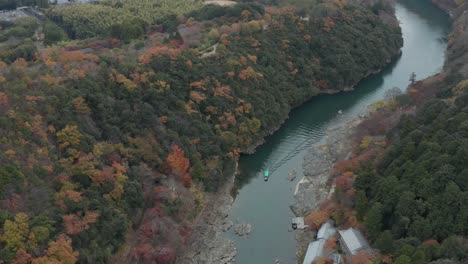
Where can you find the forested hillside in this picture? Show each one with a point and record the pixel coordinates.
(417, 196)
(104, 141)
(416, 200)
(405, 183)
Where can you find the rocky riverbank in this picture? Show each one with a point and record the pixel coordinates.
(208, 243)
(314, 187)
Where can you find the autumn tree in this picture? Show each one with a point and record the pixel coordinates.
(22, 257)
(179, 164)
(80, 106)
(15, 232)
(59, 251)
(362, 258)
(69, 136)
(77, 223)
(317, 218)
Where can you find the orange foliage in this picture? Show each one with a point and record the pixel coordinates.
(198, 84)
(211, 109)
(10, 153)
(224, 39)
(249, 74)
(67, 194)
(227, 119)
(328, 24)
(179, 164)
(32, 98)
(323, 260)
(76, 73)
(129, 84)
(308, 38)
(223, 91)
(330, 244)
(75, 56)
(159, 51)
(346, 165)
(316, 218)
(387, 259)
(243, 60)
(22, 257)
(431, 242)
(38, 128)
(59, 252)
(3, 99)
(49, 80)
(197, 96)
(80, 106)
(362, 258)
(20, 63)
(345, 181)
(252, 58)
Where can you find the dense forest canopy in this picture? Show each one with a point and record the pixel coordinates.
(109, 140)
(417, 200)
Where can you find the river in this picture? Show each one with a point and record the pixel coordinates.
(265, 205)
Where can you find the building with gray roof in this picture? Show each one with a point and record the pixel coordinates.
(316, 248)
(353, 242)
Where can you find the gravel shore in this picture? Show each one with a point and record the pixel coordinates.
(314, 187)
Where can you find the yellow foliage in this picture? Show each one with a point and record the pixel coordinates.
(69, 136)
(129, 84)
(365, 142)
(376, 106)
(461, 86)
(10, 153)
(79, 103)
(15, 232)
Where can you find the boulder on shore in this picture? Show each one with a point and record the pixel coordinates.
(242, 229)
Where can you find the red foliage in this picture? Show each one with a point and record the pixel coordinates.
(143, 252)
(147, 254)
(166, 254)
(345, 181)
(185, 232)
(431, 242)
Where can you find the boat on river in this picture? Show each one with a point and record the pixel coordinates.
(266, 175)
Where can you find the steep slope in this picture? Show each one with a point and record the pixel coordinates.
(103, 141)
